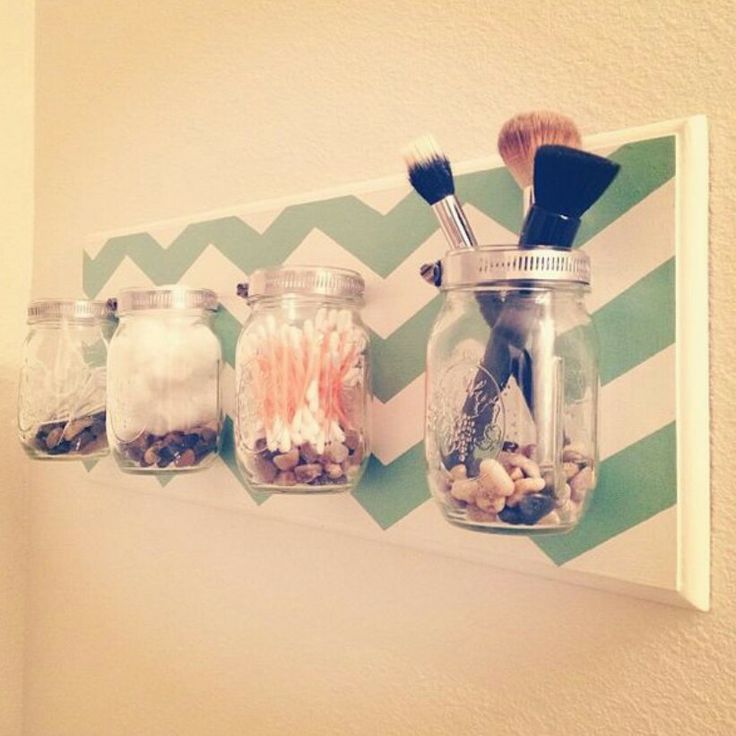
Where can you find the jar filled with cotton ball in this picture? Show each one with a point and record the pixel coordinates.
(164, 364)
(302, 381)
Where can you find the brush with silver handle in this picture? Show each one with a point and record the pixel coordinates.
(431, 176)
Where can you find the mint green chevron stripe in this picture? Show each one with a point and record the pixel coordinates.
(400, 358)
(390, 492)
(635, 484)
(645, 166)
(638, 323)
(227, 328)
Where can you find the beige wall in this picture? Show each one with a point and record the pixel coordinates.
(149, 616)
(16, 244)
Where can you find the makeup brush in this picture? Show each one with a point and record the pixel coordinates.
(431, 176)
(522, 135)
(567, 183)
(518, 141)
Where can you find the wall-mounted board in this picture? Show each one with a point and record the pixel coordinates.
(647, 531)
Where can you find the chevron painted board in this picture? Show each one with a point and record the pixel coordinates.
(646, 532)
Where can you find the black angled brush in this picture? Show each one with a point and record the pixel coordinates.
(567, 182)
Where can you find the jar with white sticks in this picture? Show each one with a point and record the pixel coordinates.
(61, 402)
(302, 381)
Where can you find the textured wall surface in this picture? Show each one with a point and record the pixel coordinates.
(16, 244)
(148, 616)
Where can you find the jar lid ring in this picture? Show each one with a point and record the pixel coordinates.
(340, 283)
(504, 264)
(165, 297)
(55, 309)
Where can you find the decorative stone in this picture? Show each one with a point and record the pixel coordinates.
(307, 473)
(494, 478)
(288, 460)
(458, 472)
(465, 490)
(570, 470)
(581, 484)
(336, 452)
(534, 506)
(333, 471)
(308, 453)
(54, 437)
(186, 459)
(510, 515)
(76, 426)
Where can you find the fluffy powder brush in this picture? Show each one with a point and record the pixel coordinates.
(521, 137)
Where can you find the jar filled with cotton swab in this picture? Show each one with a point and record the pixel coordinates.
(302, 381)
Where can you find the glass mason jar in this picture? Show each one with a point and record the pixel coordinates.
(61, 402)
(512, 385)
(164, 364)
(302, 381)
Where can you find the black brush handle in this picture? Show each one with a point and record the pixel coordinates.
(542, 227)
(510, 319)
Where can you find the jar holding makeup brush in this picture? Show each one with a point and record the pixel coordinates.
(512, 386)
(302, 381)
(164, 367)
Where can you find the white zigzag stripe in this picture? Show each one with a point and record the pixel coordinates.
(621, 556)
(389, 302)
(638, 403)
(617, 250)
(127, 274)
(383, 200)
(399, 423)
(214, 271)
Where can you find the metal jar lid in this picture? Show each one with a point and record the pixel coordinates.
(340, 283)
(166, 297)
(494, 265)
(41, 310)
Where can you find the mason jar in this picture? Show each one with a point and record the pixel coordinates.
(61, 402)
(512, 387)
(302, 378)
(164, 365)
